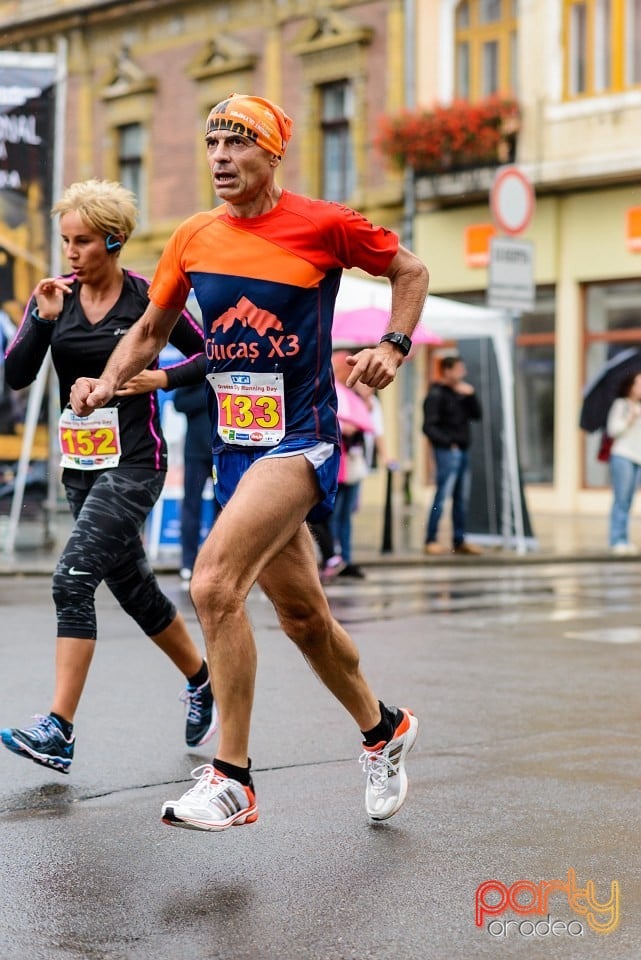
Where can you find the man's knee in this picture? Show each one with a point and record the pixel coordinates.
(304, 623)
(214, 591)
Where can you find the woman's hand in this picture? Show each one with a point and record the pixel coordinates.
(144, 382)
(49, 294)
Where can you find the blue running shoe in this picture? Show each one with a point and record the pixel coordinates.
(202, 716)
(43, 743)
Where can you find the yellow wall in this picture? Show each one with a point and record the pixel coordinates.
(578, 237)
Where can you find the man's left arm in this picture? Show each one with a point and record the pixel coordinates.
(408, 276)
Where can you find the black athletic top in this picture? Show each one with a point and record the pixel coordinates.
(82, 349)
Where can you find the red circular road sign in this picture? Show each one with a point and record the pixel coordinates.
(511, 200)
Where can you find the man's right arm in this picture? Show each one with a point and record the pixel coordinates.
(135, 351)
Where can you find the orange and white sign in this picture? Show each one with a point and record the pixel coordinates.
(477, 244)
(633, 229)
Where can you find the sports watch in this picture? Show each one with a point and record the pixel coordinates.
(400, 340)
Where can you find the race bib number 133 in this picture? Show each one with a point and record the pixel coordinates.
(251, 408)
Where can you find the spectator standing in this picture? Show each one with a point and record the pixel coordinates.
(624, 426)
(448, 408)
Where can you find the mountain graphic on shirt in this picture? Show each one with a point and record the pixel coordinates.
(248, 315)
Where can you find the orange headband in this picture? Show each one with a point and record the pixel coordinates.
(256, 118)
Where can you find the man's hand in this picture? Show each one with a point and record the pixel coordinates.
(88, 394)
(375, 366)
(464, 388)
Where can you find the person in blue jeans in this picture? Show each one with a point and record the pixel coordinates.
(450, 405)
(192, 401)
(624, 426)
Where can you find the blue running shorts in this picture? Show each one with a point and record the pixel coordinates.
(229, 466)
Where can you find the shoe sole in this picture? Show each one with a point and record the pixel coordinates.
(250, 815)
(412, 734)
(21, 750)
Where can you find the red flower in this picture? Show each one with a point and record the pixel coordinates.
(462, 134)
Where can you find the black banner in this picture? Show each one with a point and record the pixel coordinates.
(27, 125)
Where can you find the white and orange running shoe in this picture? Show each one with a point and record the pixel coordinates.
(384, 765)
(215, 802)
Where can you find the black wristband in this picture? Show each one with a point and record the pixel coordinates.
(37, 319)
(400, 340)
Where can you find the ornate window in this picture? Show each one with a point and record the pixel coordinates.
(130, 157)
(129, 98)
(485, 39)
(602, 46)
(338, 176)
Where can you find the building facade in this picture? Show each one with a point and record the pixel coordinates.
(574, 69)
(141, 76)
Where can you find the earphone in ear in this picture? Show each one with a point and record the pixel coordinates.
(113, 244)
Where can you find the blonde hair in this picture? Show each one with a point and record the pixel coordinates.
(105, 205)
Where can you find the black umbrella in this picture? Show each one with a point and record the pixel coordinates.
(602, 391)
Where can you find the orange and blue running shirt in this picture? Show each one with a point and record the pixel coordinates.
(267, 287)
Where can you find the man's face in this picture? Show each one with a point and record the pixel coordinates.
(455, 373)
(241, 171)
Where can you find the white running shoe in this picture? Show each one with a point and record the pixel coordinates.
(384, 765)
(214, 803)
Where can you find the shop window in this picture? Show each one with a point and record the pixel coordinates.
(612, 324)
(534, 383)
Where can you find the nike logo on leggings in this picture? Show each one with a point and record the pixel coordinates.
(79, 573)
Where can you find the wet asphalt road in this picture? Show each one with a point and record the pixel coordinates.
(527, 683)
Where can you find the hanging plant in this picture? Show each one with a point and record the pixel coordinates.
(454, 137)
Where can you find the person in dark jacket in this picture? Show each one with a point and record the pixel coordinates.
(197, 456)
(448, 408)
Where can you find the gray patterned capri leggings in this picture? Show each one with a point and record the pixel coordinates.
(110, 508)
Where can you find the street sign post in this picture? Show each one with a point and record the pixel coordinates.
(511, 200)
(511, 275)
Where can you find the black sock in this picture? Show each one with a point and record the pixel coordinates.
(241, 774)
(384, 730)
(201, 677)
(65, 726)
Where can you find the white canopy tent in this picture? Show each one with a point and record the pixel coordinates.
(458, 321)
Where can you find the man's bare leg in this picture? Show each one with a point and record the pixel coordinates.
(293, 585)
(267, 509)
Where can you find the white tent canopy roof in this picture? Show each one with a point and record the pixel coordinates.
(450, 319)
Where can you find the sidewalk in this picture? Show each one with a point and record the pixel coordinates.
(558, 539)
